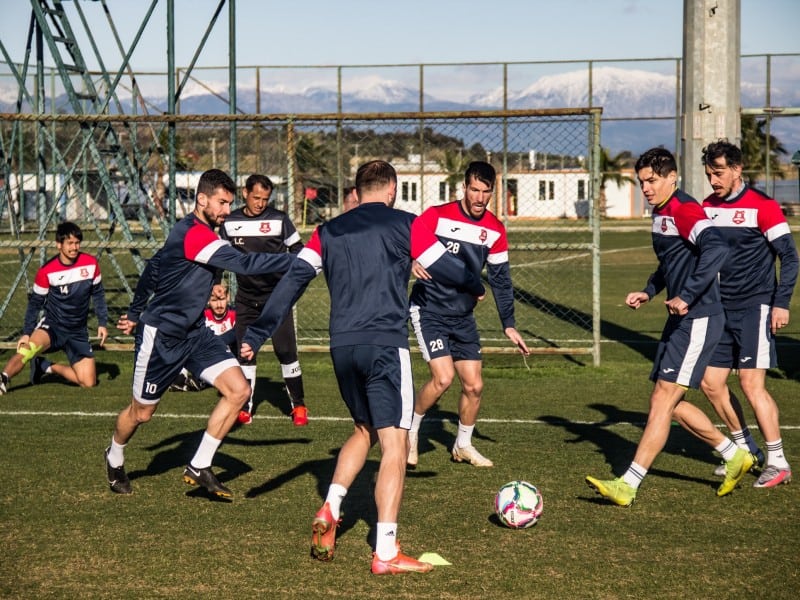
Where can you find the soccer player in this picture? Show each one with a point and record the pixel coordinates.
(443, 316)
(690, 252)
(258, 227)
(366, 256)
(756, 304)
(171, 331)
(63, 288)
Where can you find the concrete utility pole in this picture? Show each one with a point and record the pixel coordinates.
(711, 84)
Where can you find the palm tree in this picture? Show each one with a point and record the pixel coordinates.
(454, 163)
(611, 172)
(754, 149)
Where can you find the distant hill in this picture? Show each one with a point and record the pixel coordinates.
(622, 93)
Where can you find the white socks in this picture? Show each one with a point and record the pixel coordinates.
(336, 494)
(386, 541)
(116, 456)
(205, 452)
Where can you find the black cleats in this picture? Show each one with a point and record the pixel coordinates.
(207, 479)
(117, 478)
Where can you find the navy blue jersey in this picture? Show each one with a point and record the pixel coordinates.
(754, 226)
(690, 252)
(477, 243)
(64, 291)
(181, 275)
(366, 256)
(271, 231)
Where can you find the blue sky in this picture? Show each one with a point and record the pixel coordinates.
(357, 32)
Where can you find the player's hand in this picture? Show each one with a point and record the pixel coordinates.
(126, 326)
(23, 342)
(779, 318)
(418, 271)
(636, 299)
(246, 352)
(514, 336)
(676, 306)
(102, 333)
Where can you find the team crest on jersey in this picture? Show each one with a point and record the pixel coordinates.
(483, 235)
(738, 217)
(84, 273)
(265, 227)
(664, 226)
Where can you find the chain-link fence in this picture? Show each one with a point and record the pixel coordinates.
(120, 195)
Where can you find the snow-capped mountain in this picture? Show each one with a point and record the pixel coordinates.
(620, 92)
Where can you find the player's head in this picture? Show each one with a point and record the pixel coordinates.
(723, 163)
(657, 172)
(350, 199)
(257, 192)
(218, 302)
(215, 192)
(479, 181)
(68, 240)
(376, 181)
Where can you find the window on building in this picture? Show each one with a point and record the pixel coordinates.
(442, 191)
(404, 191)
(581, 189)
(552, 189)
(413, 191)
(542, 190)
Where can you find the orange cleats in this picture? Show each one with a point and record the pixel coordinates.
(323, 533)
(245, 418)
(300, 416)
(399, 564)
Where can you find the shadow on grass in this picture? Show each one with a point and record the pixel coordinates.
(359, 504)
(619, 451)
(110, 370)
(175, 452)
(644, 344)
(273, 393)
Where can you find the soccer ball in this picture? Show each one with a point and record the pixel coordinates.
(518, 504)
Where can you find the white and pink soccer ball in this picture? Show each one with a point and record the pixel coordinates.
(518, 504)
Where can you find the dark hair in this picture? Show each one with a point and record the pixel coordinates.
(213, 179)
(66, 229)
(722, 148)
(374, 174)
(257, 179)
(482, 171)
(660, 160)
(348, 189)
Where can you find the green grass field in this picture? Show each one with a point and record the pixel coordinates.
(65, 535)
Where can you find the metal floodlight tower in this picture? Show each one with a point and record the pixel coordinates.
(106, 143)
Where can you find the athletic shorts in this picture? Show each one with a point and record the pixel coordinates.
(440, 335)
(75, 344)
(376, 384)
(158, 359)
(747, 341)
(685, 349)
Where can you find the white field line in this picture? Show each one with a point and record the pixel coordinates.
(283, 418)
(573, 256)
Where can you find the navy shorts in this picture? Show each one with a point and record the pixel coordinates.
(376, 384)
(159, 358)
(75, 344)
(685, 349)
(747, 341)
(440, 335)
